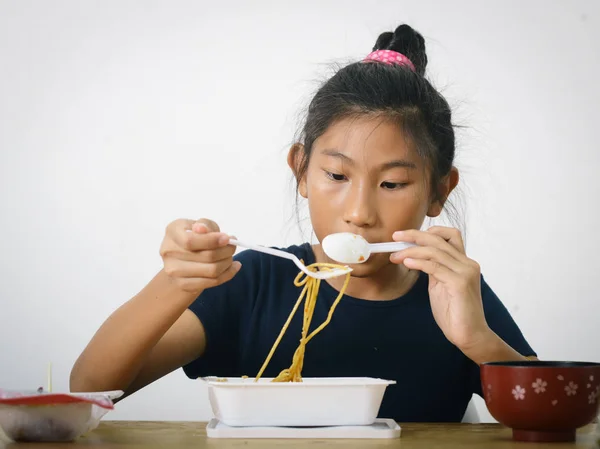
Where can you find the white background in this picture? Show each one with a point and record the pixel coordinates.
(117, 117)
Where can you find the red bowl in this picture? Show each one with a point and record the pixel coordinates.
(542, 401)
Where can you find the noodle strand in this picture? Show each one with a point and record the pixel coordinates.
(309, 293)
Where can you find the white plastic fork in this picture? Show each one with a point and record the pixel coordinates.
(275, 252)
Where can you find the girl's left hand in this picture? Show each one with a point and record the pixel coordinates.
(454, 282)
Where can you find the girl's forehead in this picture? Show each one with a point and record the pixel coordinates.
(366, 139)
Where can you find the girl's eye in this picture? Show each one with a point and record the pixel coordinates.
(393, 185)
(335, 176)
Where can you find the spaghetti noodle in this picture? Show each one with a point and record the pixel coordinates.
(309, 294)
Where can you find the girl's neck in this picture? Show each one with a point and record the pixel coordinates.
(390, 282)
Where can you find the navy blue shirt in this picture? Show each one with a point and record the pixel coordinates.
(393, 339)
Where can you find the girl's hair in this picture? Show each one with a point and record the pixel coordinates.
(392, 92)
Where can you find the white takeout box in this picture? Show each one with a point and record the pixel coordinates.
(331, 401)
(52, 416)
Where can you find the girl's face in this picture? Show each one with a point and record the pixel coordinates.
(364, 177)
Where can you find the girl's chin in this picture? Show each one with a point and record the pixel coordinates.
(372, 267)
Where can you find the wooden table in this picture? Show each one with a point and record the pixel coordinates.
(179, 435)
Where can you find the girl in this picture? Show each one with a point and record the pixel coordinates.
(375, 158)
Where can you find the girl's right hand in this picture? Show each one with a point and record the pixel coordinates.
(197, 256)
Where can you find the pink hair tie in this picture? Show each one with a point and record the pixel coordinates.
(389, 57)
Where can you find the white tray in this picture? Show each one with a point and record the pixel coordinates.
(381, 428)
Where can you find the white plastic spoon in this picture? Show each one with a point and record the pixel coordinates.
(345, 247)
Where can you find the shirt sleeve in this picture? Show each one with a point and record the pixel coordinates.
(503, 324)
(221, 310)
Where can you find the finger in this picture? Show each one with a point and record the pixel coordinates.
(451, 235)
(189, 269)
(432, 268)
(198, 284)
(182, 223)
(210, 225)
(226, 276)
(199, 239)
(431, 254)
(207, 256)
(215, 255)
(422, 238)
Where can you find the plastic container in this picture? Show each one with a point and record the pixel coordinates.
(29, 416)
(334, 401)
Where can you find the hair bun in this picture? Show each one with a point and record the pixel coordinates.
(407, 41)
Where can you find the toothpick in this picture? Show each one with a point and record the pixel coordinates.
(50, 377)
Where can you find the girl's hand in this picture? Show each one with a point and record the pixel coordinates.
(454, 282)
(197, 255)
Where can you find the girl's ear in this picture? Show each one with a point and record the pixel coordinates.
(445, 189)
(295, 159)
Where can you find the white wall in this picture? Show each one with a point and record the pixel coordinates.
(117, 117)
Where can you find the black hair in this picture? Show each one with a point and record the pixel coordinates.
(393, 92)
